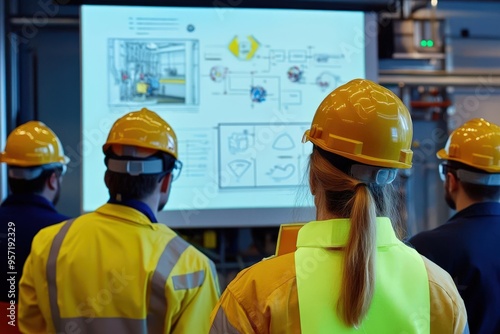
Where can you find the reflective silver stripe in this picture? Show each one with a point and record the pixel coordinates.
(51, 273)
(188, 281)
(221, 324)
(103, 325)
(157, 300)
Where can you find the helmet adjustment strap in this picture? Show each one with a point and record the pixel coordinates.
(478, 178)
(135, 167)
(362, 172)
(469, 174)
(31, 173)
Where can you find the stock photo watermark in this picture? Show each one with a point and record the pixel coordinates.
(11, 271)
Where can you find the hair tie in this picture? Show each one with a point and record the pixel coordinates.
(359, 185)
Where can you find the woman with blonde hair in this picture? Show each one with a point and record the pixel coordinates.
(349, 272)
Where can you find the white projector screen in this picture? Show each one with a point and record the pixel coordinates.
(239, 87)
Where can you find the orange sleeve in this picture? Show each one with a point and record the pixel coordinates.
(229, 317)
(448, 314)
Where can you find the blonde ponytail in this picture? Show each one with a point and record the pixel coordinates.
(345, 197)
(358, 278)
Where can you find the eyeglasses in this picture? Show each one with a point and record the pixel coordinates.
(62, 170)
(176, 172)
(445, 169)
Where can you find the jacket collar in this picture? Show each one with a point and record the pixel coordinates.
(139, 206)
(127, 214)
(335, 232)
(478, 209)
(29, 199)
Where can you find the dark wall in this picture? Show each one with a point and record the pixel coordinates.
(58, 103)
(46, 59)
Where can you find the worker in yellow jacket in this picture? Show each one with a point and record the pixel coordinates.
(347, 272)
(117, 270)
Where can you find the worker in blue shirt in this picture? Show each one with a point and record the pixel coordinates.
(36, 164)
(468, 245)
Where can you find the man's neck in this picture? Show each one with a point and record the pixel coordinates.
(463, 201)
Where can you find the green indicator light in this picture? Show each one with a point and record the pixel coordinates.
(430, 43)
(423, 43)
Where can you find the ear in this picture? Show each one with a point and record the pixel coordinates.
(106, 179)
(452, 182)
(165, 183)
(52, 181)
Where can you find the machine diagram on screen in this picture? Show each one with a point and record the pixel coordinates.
(258, 155)
(239, 85)
(266, 75)
(161, 72)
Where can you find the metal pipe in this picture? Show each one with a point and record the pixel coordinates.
(48, 21)
(439, 79)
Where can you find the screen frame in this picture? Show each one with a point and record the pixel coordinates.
(386, 6)
(255, 217)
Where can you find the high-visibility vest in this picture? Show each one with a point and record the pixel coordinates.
(401, 300)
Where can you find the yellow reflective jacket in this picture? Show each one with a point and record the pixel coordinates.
(113, 271)
(265, 299)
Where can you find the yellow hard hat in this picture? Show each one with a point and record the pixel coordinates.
(364, 122)
(143, 129)
(33, 144)
(476, 143)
